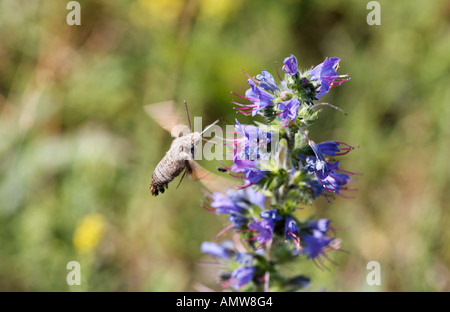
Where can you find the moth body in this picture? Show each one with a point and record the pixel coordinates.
(176, 160)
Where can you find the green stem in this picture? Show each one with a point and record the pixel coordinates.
(287, 166)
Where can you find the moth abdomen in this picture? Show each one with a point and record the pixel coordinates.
(167, 170)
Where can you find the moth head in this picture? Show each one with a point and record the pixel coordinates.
(196, 138)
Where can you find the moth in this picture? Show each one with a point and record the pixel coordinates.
(180, 156)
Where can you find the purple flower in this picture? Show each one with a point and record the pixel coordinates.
(241, 277)
(264, 229)
(291, 231)
(326, 172)
(236, 203)
(332, 148)
(244, 258)
(246, 131)
(224, 250)
(252, 174)
(239, 200)
(237, 220)
(319, 163)
(271, 214)
(256, 197)
(225, 204)
(329, 148)
(315, 244)
(257, 96)
(267, 82)
(333, 182)
(315, 187)
(326, 75)
(289, 110)
(290, 65)
(320, 225)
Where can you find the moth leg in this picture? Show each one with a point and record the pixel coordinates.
(182, 177)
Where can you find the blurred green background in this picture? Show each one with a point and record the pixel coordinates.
(77, 150)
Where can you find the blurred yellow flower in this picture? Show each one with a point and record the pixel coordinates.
(88, 233)
(162, 9)
(218, 7)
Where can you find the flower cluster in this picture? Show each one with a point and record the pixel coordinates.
(262, 212)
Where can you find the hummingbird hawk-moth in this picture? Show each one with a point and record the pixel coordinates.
(180, 156)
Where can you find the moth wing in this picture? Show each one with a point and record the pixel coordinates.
(167, 116)
(210, 180)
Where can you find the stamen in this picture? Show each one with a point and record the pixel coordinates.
(323, 265)
(278, 73)
(243, 186)
(296, 240)
(208, 208)
(345, 196)
(246, 107)
(278, 114)
(284, 123)
(229, 282)
(206, 193)
(328, 258)
(244, 97)
(229, 227)
(253, 79)
(236, 103)
(225, 167)
(292, 121)
(349, 172)
(317, 265)
(236, 176)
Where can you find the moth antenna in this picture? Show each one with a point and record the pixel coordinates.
(187, 113)
(210, 126)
